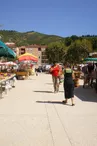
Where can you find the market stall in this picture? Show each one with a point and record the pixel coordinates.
(22, 72)
(6, 51)
(28, 57)
(26, 65)
(92, 61)
(7, 81)
(7, 77)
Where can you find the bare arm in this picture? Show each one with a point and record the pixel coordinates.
(73, 76)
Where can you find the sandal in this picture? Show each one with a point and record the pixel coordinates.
(64, 101)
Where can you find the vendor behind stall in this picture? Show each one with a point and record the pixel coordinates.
(88, 70)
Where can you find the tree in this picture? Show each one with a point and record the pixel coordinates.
(55, 52)
(74, 38)
(77, 51)
(68, 41)
(94, 43)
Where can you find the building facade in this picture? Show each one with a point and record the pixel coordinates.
(37, 50)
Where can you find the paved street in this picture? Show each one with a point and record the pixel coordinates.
(32, 115)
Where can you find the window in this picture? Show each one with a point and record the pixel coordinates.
(43, 53)
(39, 49)
(23, 51)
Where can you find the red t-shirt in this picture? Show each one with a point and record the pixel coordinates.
(55, 71)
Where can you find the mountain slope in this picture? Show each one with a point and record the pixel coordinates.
(28, 38)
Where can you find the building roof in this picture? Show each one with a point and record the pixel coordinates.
(36, 46)
(22, 47)
(10, 44)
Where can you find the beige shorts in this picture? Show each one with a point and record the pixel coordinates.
(55, 79)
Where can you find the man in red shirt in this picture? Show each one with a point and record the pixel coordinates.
(55, 76)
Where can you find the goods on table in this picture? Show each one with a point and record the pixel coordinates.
(6, 82)
(7, 76)
(24, 71)
(4, 75)
(22, 74)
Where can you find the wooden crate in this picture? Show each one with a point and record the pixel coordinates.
(22, 73)
(76, 82)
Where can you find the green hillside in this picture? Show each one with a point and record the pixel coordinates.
(28, 38)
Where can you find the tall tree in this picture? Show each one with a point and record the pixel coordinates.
(94, 43)
(55, 52)
(68, 41)
(77, 51)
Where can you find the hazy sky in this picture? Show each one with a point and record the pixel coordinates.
(59, 17)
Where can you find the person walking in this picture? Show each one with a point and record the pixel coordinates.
(54, 70)
(90, 72)
(96, 77)
(68, 84)
(85, 72)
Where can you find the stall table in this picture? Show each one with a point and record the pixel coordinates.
(22, 73)
(4, 82)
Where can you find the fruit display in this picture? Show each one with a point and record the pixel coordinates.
(5, 76)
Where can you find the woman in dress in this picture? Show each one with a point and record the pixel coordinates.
(68, 84)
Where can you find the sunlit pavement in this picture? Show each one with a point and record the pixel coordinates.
(32, 115)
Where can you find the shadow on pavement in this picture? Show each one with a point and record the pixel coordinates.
(86, 94)
(61, 91)
(49, 83)
(53, 102)
(1, 97)
(44, 91)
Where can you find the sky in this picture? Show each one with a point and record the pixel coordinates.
(57, 17)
